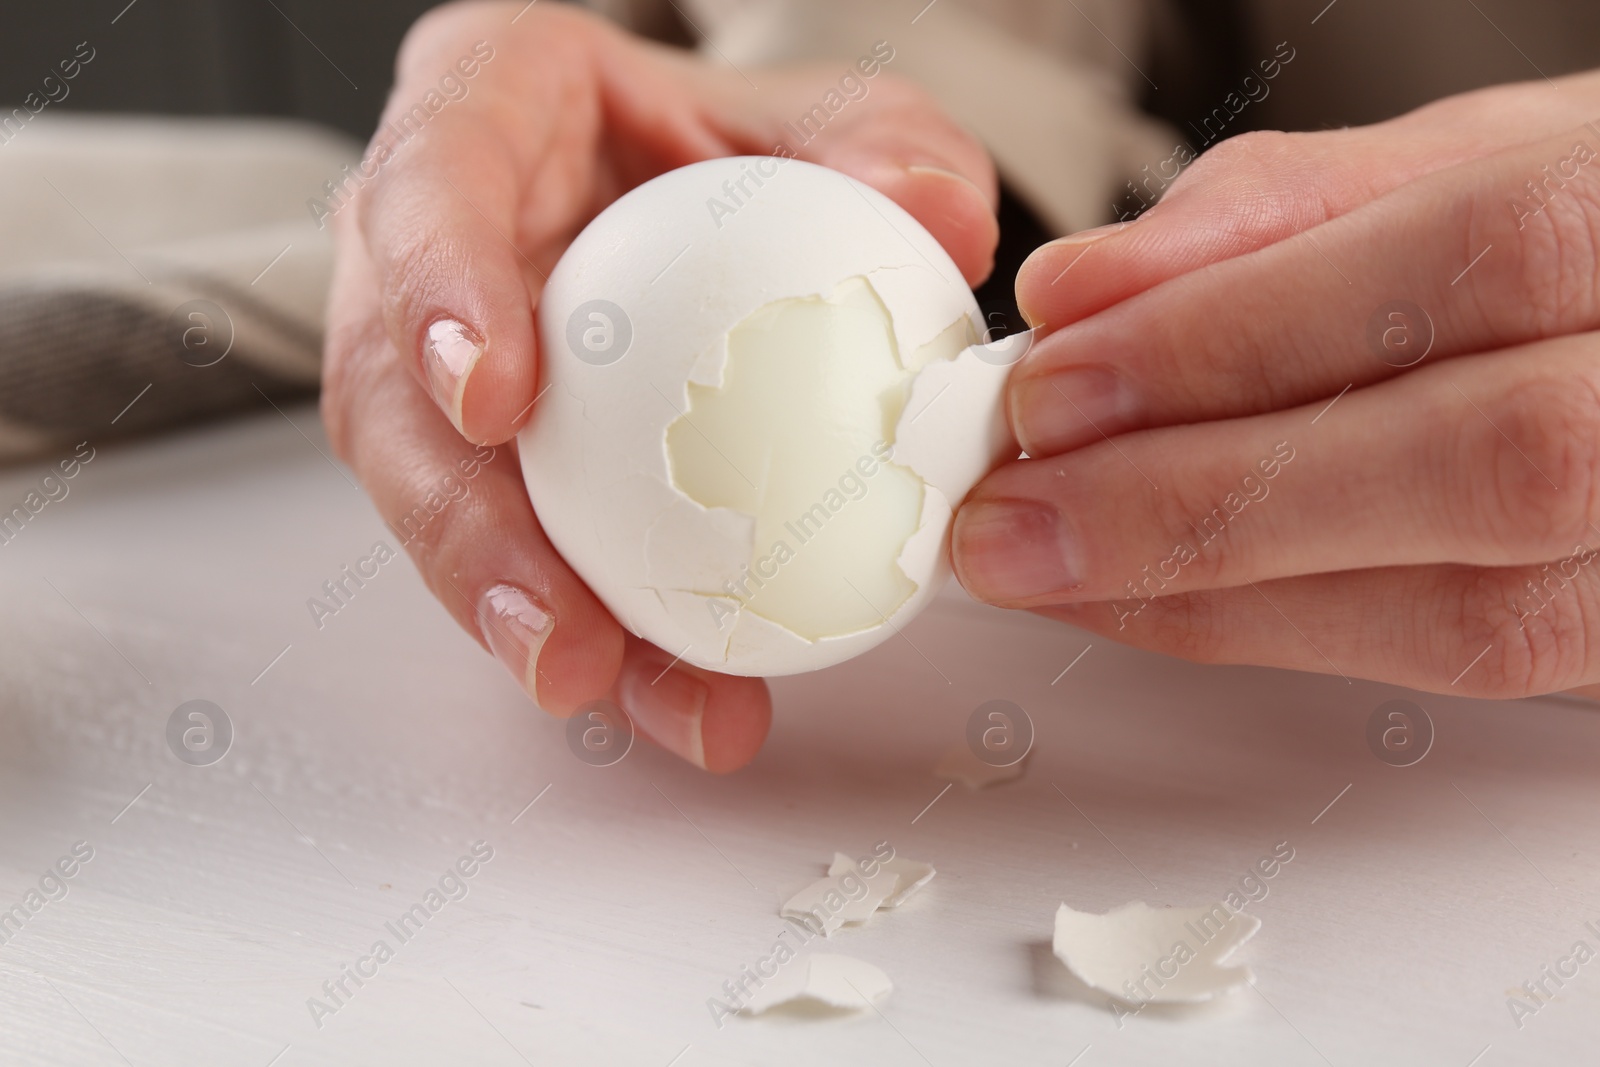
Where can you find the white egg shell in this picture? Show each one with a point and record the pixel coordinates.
(634, 326)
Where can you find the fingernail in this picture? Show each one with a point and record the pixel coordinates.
(450, 354)
(1045, 255)
(1085, 237)
(515, 626)
(1014, 550)
(941, 172)
(668, 703)
(1069, 408)
(889, 173)
(1054, 261)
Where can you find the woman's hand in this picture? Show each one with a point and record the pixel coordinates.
(431, 350)
(1334, 406)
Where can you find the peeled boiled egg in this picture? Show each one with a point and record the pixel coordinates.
(766, 391)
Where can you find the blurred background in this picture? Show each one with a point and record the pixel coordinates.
(156, 196)
(330, 61)
(215, 57)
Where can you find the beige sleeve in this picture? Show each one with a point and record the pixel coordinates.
(1050, 88)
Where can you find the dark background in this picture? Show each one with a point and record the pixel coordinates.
(1366, 60)
(216, 57)
(332, 60)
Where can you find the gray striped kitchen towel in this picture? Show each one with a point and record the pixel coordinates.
(156, 271)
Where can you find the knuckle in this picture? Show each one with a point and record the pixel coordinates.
(449, 26)
(1265, 185)
(1249, 155)
(348, 364)
(1570, 272)
(1466, 110)
(1209, 537)
(1246, 149)
(340, 375)
(897, 92)
(1532, 628)
(1551, 281)
(431, 539)
(1183, 625)
(460, 23)
(433, 524)
(1191, 522)
(1535, 462)
(331, 408)
(422, 37)
(334, 423)
(414, 265)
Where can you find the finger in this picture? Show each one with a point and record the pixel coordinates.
(916, 156)
(466, 520)
(715, 721)
(457, 296)
(459, 264)
(895, 138)
(1492, 633)
(1290, 323)
(1490, 460)
(461, 512)
(1259, 188)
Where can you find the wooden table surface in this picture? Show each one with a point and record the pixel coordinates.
(369, 755)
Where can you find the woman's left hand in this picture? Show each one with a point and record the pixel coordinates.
(1369, 446)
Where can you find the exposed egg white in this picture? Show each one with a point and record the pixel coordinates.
(764, 397)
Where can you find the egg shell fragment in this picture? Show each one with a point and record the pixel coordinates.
(1187, 948)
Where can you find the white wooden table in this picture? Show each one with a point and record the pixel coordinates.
(370, 755)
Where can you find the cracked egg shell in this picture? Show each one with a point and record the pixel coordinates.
(763, 398)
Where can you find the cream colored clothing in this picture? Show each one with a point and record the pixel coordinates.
(1048, 93)
(1052, 86)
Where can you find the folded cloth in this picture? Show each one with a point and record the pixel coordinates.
(156, 271)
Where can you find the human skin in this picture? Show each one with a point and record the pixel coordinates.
(1399, 541)
(431, 348)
